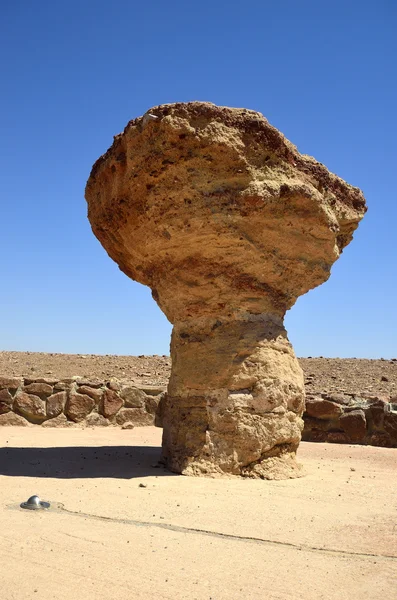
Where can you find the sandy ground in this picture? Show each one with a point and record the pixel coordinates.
(331, 535)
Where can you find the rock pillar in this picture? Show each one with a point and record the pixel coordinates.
(228, 224)
(235, 398)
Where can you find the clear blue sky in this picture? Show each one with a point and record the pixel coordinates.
(74, 73)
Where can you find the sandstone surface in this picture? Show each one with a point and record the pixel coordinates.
(228, 224)
(127, 531)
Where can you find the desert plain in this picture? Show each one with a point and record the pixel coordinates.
(122, 527)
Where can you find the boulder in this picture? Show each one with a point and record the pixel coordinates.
(218, 213)
(378, 399)
(96, 420)
(79, 406)
(133, 397)
(47, 380)
(4, 408)
(56, 404)
(376, 412)
(61, 386)
(152, 390)
(114, 384)
(91, 383)
(110, 403)
(39, 389)
(390, 425)
(5, 396)
(10, 419)
(31, 407)
(322, 409)
(354, 425)
(136, 416)
(6, 401)
(94, 393)
(12, 383)
(59, 421)
(337, 398)
(151, 404)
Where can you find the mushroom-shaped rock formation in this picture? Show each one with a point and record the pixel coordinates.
(228, 224)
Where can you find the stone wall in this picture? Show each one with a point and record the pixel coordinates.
(349, 419)
(336, 418)
(59, 403)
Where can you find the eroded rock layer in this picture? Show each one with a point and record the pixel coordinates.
(228, 224)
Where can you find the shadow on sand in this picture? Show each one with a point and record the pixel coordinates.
(118, 462)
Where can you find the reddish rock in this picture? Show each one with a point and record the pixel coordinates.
(382, 439)
(12, 383)
(5, 397)
(354, 424)
(79, 406)
(4, 408)
(12, 420)
(110, 404)
(314, 435)
(56, 404)
(390, 425)
(31, 407)
(322, 409)
(376, 413)
(94, 393)
(39, 389)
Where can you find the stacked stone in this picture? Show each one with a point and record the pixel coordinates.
(335, 418)
(351, 419)
(54, 403)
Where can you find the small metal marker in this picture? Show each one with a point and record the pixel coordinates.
(34, 503)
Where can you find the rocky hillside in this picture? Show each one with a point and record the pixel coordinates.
(322, 375)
